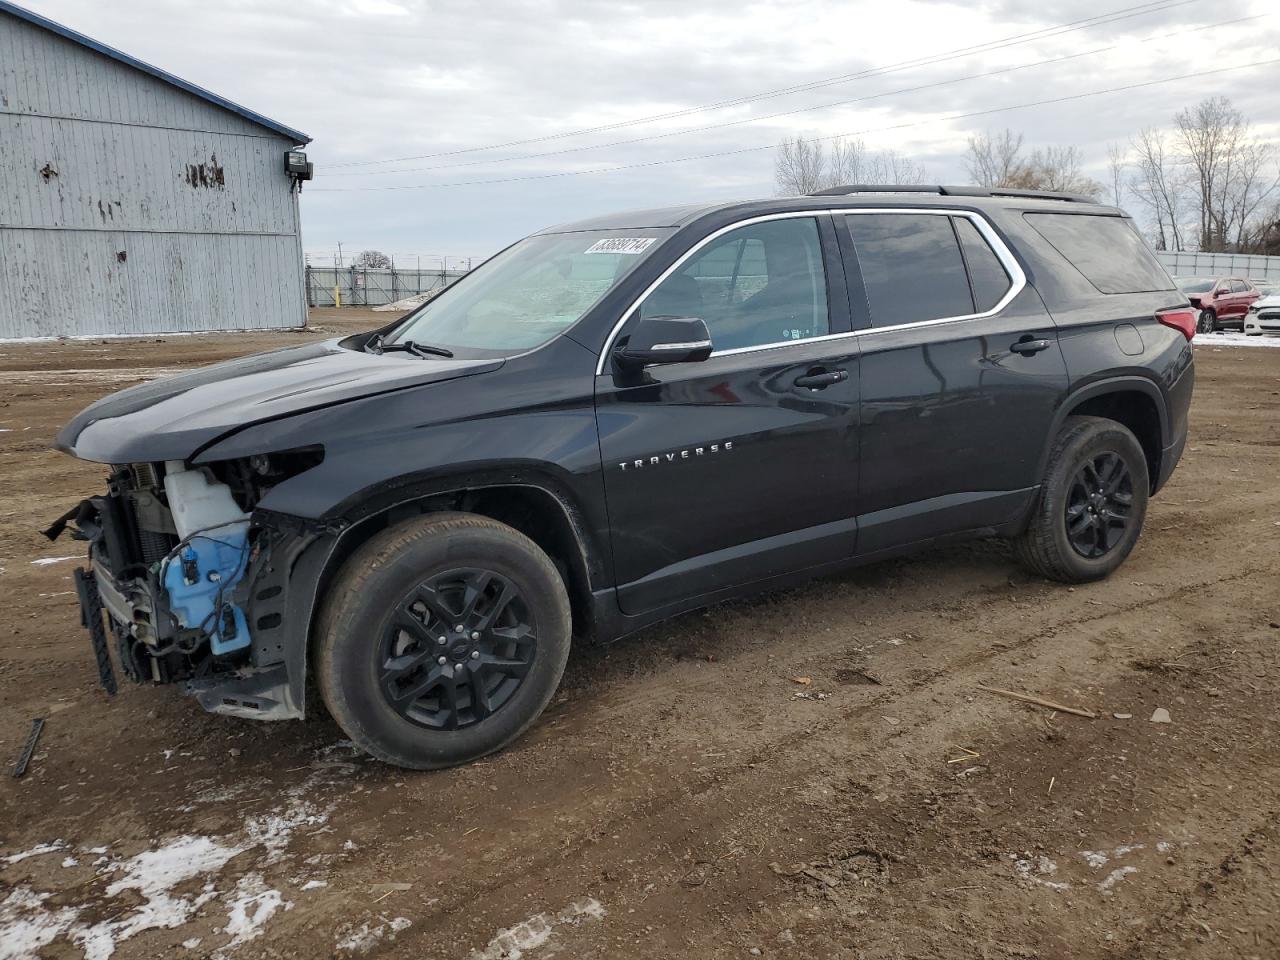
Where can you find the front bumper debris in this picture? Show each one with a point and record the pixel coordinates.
(91, 620)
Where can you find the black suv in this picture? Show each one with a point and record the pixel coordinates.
(617, 420)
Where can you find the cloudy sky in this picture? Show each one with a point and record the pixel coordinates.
(426, 115)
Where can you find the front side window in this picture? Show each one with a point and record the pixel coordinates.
(763, 283)
(530, 292)
(911, 267)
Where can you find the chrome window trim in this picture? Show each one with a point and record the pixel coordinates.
(683, 345)
(1017, 279)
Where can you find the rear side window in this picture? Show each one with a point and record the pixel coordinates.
(986, 274)
(911, 267)
(1106, 250)
(1239, 286)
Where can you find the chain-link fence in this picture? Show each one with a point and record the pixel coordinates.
(370, 287)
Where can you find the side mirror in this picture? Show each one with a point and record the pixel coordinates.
(665, 340)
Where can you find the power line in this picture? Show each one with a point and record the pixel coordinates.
(787, 113)
(1125, 13)
(853, 133)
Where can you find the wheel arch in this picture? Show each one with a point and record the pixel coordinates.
(535, 505)
(1136, 402)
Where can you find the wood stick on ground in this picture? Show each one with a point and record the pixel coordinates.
(1039, 701)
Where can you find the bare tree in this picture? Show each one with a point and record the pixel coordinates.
(851, 162)
(1249, 188)
(803, 166)
(895, 167)
(1231, 171)
(994, 159)
(1160, 186)
(1117, 162)
(372, 259)
(1054, 168)
(799, 167)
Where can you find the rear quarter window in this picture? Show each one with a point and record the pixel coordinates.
(1107, 250)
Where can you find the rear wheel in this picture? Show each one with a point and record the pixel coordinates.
(1091, 505)
(442, 640)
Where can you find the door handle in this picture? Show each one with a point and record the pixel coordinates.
(816, 380)
(1027, 346)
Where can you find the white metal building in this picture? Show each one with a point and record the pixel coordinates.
(133, 202)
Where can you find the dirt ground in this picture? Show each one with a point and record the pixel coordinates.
(685, 795)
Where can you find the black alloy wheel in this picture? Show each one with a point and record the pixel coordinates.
(457, 649)
(442, 639)
(1099, 505)
(1092, 500)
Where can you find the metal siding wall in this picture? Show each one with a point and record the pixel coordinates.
(206, 257)
(42, 73)
(70, 283)
(1246, 265)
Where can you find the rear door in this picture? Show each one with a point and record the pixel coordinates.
(961, 374)
(742, 466)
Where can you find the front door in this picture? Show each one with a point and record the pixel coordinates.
(961, 375)
(742, 466)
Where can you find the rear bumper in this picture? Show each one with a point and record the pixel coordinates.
(1169, 458)
(1178, 406)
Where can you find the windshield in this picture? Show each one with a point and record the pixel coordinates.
(1194, 285)
(531, 291)
(1268, 289)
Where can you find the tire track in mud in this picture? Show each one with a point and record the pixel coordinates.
(627, 827)
(918, 837)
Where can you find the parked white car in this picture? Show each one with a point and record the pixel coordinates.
(1264, 313)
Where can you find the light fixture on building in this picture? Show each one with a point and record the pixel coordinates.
(297, 166)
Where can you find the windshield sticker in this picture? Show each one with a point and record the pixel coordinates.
(622, 245)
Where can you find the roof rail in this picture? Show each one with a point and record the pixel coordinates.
(878, 188)
(955, 191)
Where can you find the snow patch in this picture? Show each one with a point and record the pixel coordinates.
(26, 925)
(146, 882)
(153, 874)
(46, 561)
(1114, 877)
(39, 850)
(1095, 858)
(251, 906)
(1038, 871)
(1233, 339)
(528, 935)
(365, 937)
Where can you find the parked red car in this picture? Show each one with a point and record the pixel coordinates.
(1222, 301)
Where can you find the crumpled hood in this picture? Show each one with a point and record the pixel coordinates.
(172, 418)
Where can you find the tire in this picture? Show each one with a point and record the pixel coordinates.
(1086, 447)
(1208, 322)
(385, 627)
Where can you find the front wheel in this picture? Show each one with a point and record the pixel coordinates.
(1092, 501)
(1208, 322)
(442, 640)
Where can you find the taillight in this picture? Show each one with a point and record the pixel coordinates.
(1182, 319)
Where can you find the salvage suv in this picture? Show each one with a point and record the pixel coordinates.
(618, 420)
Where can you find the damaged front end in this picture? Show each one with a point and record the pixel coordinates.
(191, 583)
